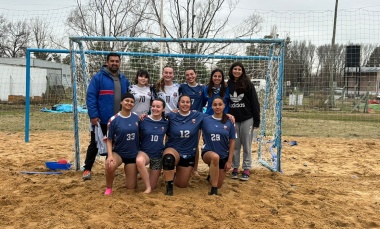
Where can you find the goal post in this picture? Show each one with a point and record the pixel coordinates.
(262, 58)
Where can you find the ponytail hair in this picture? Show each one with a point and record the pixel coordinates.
(224, 118)
(160, 85)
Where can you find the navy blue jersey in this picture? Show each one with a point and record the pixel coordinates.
(183, 132)
(209, 100)
(216, 136)
(124, 131)
(196, 95)
(152, 134)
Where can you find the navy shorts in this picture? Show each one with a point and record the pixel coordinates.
(126, 160)
(129, 160)
(186, 162)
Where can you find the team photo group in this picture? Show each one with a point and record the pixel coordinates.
(154, 128)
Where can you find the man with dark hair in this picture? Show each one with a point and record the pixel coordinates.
(103, 101)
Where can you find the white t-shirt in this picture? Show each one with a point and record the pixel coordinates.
(143, 97)
(170, 96)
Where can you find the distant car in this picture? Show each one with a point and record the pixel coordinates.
(339, 93)
(337, 90)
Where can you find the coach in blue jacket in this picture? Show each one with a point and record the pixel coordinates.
(103, 101)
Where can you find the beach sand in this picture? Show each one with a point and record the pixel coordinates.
(326, 183)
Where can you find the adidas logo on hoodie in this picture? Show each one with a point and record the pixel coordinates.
(236, 98)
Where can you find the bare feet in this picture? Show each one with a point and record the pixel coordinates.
(195, 173)
(148, 190)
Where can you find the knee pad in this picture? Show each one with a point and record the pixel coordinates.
(168, 162)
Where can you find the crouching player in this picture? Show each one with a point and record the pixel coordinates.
(219, 141)
(152, 133)
(122, 144)
(179, 155)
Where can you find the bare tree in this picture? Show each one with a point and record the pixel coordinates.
(373, 57)
(299, 60)
(14, 37)
(330, 61)
(41, 36)
(3, 34)
(201, 19)
(109, 18)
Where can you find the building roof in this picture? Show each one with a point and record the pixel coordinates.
(33, 63)
(363, 69)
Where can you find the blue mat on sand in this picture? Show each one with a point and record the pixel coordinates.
(63, 108)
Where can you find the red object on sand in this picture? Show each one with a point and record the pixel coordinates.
(62, 161)
(373, 101)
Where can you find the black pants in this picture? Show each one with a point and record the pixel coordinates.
(92, 150)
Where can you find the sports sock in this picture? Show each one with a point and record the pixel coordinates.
(214, 191)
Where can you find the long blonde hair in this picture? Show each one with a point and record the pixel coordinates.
(160, 85)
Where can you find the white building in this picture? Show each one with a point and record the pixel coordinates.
(43, 76)
(363, 79)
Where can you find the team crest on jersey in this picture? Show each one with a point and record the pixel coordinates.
(216, 126)
(193, 120)
(225, 127)
(163, 129)
(175, 94)
(136, 123)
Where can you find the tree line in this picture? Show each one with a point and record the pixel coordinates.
(306, 63)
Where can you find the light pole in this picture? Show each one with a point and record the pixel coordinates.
(332, 69)
(161, 34)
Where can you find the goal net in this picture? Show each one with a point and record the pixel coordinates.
(263, 60)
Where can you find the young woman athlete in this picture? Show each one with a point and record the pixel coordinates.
(219, 142)
(152, 133)
(122, 144)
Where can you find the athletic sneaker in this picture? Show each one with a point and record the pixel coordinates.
(245, 175)
(86, 175)
(214, 191)
(169, 191)
(169, 188)
(234, 174)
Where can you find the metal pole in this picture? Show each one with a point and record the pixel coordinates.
(75, 104)
(332, 69)
(161, 35)
(27, 96)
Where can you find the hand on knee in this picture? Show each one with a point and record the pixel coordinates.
(110, 169)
